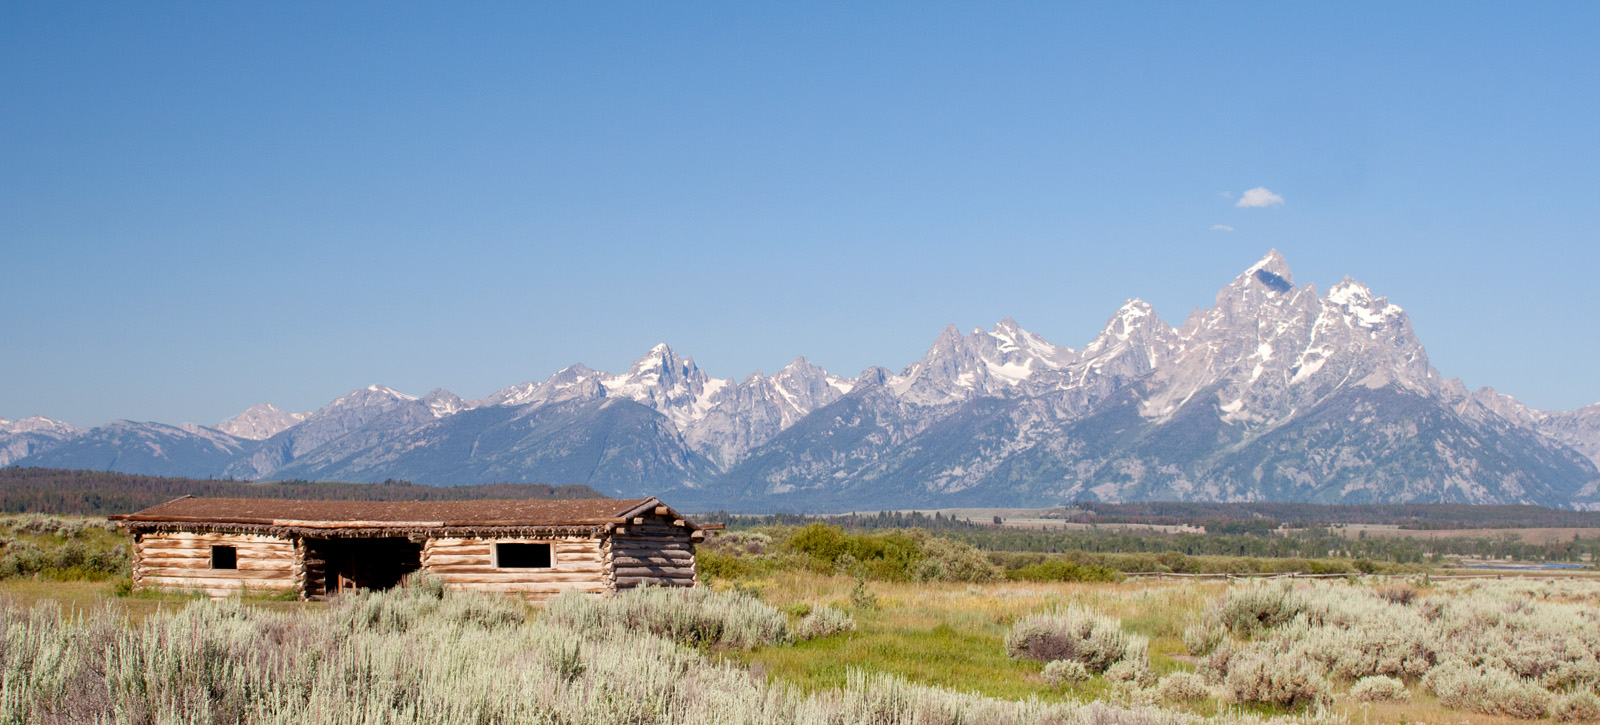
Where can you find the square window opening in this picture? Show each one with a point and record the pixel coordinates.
(224, 557)
(522, 556)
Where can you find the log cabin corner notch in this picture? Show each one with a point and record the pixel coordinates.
(535, 549)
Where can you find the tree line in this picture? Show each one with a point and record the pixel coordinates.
(98, 493)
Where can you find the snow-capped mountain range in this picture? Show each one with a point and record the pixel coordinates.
(1275, 392)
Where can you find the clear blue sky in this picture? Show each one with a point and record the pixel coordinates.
(209, 205)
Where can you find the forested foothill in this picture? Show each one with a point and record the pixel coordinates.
(98, 493)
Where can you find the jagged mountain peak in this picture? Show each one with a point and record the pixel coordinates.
(659, 356)
(1133, 317)
(260, 422)
(799, 367)
(370, 398)
(662, 368)
(671, 384)
(800, 362)
(876, 376)
(1271, 270)
(1364, 308)
(443, 403)
(388, 391)
(1014, 339)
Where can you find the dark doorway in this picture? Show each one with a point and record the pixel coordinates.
(335, 565)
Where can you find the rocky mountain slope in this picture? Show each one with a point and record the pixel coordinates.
(1274, 393)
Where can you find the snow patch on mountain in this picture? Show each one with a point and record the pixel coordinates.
(39, 424)
(260, 422)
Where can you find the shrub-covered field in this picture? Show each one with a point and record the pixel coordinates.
(801, 624)
(419, 655)
(61, 548)
(812, 648)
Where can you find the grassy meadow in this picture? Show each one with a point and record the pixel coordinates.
(808, 624)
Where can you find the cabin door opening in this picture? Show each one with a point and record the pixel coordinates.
(339, 565)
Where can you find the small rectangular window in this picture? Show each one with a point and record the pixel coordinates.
(522, 556)
(224, 557)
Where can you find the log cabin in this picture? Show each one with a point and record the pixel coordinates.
(534, 549)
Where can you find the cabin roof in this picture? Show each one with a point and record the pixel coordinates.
(389, 514)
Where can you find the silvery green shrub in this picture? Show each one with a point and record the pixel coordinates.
(1576, 706)
(1065, 672)
(694, 616)
(1379, 688)
(1276, 677)
(824, 621)
(1489, 690)
(1201, 637)
(1073, 634)
(1182, 687)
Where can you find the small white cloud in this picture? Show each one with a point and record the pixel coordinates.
(1221, 228)
(1225, 194)
(1259, 197)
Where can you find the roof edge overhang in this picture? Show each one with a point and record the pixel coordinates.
(368, 531)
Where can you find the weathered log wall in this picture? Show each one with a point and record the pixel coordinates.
(653, 550)
(577, 564)
(180, 560)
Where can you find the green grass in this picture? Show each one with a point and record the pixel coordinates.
(942, 655)
(953, 635)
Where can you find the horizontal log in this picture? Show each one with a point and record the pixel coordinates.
(467, 558)
(509, 578)
(214, 593)
(215, 538)
(211, 583)
(205, 555)
(627, 561)
(590, 567)
(165, 571)
(244, 565)
(634, 581)
(510, 540)
(649, 551)
(528, 586)
(205, 558)
(653, 542)
(684, 572)
(650, 541)
(580, 551)
(684, 556)
(649, 531)
(178, 546)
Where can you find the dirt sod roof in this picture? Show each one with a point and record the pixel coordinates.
(389, 514)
